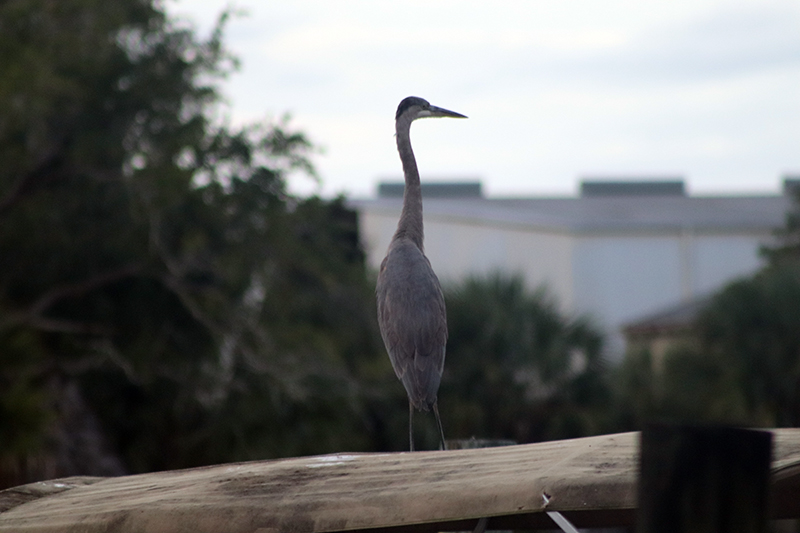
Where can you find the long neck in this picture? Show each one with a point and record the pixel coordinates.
(410, 225)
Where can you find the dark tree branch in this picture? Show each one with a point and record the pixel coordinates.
(34, 314)
(30, 181)
(82, 287)
(55, 325)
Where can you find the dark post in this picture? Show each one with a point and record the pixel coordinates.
(703, 480)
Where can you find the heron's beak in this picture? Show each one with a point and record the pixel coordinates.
(434, 111)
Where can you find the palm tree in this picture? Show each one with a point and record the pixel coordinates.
(517, 367)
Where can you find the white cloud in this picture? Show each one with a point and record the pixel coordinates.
(554, 90)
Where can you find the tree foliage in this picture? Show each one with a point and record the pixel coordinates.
(743, 366)
(165, 303)
(786, 249)
(685, 385)
(155, 276)
(517, 368)
(754, 326)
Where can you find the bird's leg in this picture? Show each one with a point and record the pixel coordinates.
(410, 425)
(439, 423)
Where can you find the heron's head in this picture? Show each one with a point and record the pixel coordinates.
(413, 107)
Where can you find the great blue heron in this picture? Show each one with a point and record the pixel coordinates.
(411, 311)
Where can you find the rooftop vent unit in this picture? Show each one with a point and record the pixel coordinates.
(595, 188)
(452, 189)
(791, 185)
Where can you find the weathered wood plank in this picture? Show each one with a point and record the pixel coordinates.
(591, 480)
(25, 493)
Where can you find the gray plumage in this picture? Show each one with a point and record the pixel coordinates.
(411, 311)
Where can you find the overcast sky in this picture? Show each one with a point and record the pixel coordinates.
(556, 91)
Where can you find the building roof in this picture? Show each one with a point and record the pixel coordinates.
(585, 214)
(678, 317)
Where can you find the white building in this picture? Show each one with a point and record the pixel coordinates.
(618, 251)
